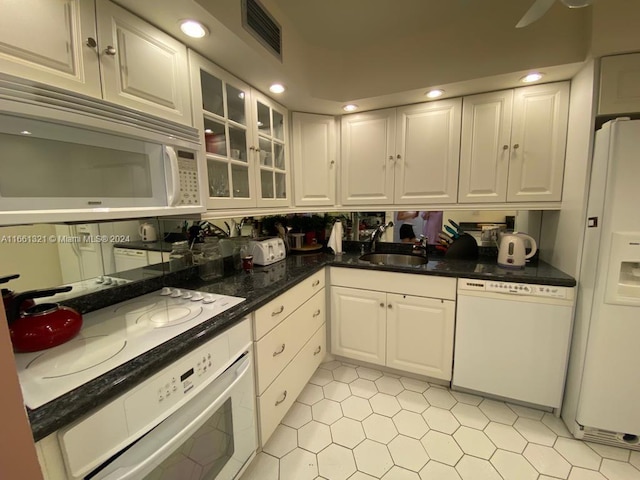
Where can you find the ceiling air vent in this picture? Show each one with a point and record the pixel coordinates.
(257, 21)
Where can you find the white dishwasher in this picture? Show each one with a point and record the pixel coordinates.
(130, 258)
(512, 340)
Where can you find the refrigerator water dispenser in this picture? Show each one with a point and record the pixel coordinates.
(623, 280)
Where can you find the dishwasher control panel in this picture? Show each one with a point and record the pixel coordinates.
(511, 288)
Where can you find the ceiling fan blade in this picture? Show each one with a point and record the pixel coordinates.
(537, 10)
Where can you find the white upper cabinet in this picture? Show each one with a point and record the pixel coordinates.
(245, 140)
(428, 152)
(368, 153)
(485, 147)
(221, 112)
(142, 67)
(270, 144)
(405, 155)
(513, 145)
(97, 49)
(314, 159)
(619, 84)
(538, 143)
(46, 41)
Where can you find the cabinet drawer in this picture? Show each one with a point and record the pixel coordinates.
(275, 402)
(432, 286)
(274, 312)
(276, 349)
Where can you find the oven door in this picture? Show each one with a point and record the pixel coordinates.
(210, 437)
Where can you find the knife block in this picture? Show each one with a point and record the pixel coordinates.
(464, 247)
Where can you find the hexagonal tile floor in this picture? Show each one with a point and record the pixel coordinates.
(356, 423)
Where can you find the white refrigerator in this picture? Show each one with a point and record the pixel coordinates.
(602, 400)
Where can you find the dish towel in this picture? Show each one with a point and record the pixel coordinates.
(335, 239)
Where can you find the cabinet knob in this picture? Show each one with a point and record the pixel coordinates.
(91, 42)
(399, 157)
(517, 145)
(110, 50)
(389, 306)
(391, 158)
(332, 163)
(278, 352)
(505, 147)
(382, 304)
(284, 397)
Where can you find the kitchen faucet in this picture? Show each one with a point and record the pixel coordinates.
(420, 246)
(376, 235)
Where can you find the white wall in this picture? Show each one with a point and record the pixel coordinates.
(615, 27)
(562, 231)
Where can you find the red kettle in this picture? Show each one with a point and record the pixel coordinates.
(42, 325)
(9, 295)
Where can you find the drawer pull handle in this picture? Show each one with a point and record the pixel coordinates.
(275, 354)
(284, 397)
(318, 350)
(316, 283)
(316, 313)
(278, 312)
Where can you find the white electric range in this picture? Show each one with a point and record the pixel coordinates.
(113, 336)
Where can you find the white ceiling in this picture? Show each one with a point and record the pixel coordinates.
(380, 53)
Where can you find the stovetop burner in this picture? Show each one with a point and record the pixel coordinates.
(112, 336)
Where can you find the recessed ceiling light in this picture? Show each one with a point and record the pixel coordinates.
(532, 77)
(577, 3)
(276, 88)
(25, 132)
(208, 130)
(350, 108)
(434, 93)
(193, 29)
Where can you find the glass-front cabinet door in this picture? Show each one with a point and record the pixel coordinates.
(244, 140)
(273, 179)
(222, 111)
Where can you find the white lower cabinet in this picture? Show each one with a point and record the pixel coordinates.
(276, 400)
(358, 324)
(420, 335)
(412, 332)
(290, 342)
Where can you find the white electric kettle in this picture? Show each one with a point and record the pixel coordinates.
(512, 252)
(148, 232)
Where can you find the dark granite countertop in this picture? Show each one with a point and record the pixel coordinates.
(485, 268)
(259, 287)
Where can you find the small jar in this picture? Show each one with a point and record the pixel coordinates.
(211, 266)
(180, 256)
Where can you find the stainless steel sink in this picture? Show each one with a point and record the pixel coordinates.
(393, 259)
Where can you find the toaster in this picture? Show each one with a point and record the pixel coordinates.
(267, 250)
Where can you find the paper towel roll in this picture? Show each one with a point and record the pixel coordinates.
(335, 239)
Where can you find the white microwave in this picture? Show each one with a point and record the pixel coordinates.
(66, 157)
